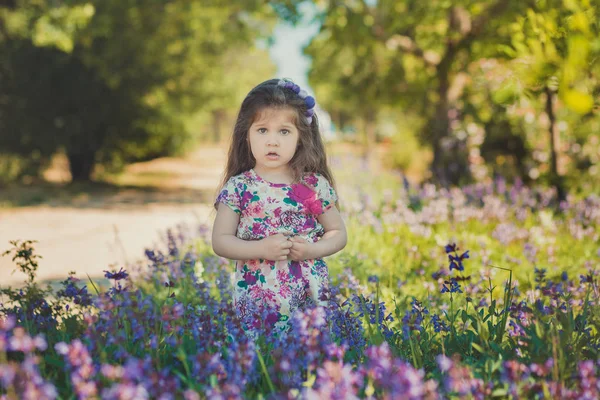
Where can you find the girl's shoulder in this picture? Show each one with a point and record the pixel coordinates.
(244, 178)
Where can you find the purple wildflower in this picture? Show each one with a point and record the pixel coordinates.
(413, 319)
(116, 276)
(82, 371)
(335, 380)
(438, 324)
(78, 295)
(451, 248)
(454, 286)
(395, 378)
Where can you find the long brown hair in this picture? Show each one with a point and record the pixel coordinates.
(310, 154)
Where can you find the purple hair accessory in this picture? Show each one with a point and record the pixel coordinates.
(308, 100)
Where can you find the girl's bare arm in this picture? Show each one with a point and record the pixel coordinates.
(226, 244)
(335, 237)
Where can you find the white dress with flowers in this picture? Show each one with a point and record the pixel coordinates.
(275, 289)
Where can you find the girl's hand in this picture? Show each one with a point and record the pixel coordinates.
(276, 247)
(301, 249)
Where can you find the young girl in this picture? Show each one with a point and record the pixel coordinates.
(276, 211)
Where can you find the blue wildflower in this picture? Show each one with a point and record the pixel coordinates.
(438, 324)
(456, 261)
(117, 276)
(454, 286)
(413, 319)
(451, 248)
(71, 291)
(540, 276)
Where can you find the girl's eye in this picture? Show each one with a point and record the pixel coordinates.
(262, 130)
(285, 132)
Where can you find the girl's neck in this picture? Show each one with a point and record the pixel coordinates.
(279, 177)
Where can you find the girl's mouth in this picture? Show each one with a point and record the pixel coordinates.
(272, 156)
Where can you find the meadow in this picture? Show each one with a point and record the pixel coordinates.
(488, 291)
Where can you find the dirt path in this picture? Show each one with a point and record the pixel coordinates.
(91, 232)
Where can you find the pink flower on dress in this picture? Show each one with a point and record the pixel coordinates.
(253, 265)
(250, 278)
(258, 230)
(256, 209)
(304, 195)
(264, 296)
(246, 199)
(295, 269)
(283, 279)
(311, 179)
(292, 220)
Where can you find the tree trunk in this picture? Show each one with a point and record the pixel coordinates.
(217, 124)
(450, 162)
(440, 129)
(369, 135)
(556, 179)
(81, 166)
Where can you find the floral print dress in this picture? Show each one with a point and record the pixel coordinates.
(277, 288)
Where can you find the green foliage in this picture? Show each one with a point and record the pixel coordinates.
(404, 152)
(120, 79)
(408, 55)
(458, 64)
(483, 330)
(10, 168)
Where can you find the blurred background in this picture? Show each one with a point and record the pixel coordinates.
(115, 115)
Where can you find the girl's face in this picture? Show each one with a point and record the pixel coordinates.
(273, 138)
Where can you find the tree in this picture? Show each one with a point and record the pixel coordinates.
(119, 77)
(353, 74)
(431, 43)
(557, 66)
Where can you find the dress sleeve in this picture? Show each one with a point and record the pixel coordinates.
(326, 192)
(230, 195)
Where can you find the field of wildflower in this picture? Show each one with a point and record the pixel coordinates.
(489, 291)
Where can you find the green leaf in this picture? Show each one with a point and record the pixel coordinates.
(478, 348)
(507, 94)
(484, 332)
(213, 380)
(581, 103)
(287, 200)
